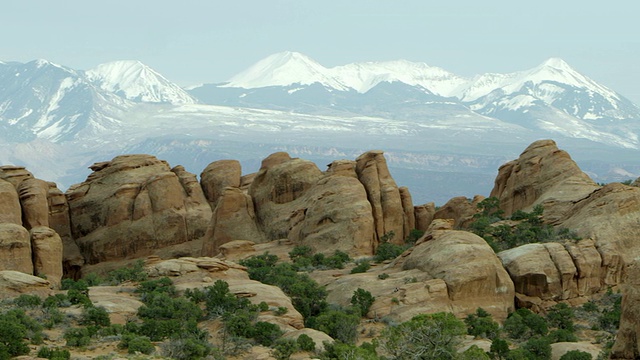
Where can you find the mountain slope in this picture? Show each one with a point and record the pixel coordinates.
(135, 81)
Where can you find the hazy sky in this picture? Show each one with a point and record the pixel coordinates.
(192, 42)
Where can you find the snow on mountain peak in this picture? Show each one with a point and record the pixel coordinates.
(136, 81)
(283, 69)
(556, 63)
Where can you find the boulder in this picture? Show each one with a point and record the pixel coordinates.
(132, 205)
(60, 222)
(33, 199)
(627, 345)
(472, 272)
(233, 219)
(46, 247)
(542, 174)
(15, 283)
(15, 248)
(407, 208)
(424, 215)
(14, 174)
(217, 176)
(10, 211)
(383, 194)
(460, 209)
(318, 337)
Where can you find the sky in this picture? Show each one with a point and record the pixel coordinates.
(192, 42)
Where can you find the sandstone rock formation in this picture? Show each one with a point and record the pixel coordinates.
(10, 211)
(627, 345)
(15, 283)
(33, 199)
(424, 215)
(542, 173)
(217, 176)
(46, 249)
(132, 205)
(460, 209)
(15, 248)
(233, 218)
(383, 194)
(60, 222)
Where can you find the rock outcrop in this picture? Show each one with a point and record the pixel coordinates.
(10, 211)
(424, 215)
(542, 174)
(217, 176)
(627, 345)
(460, 209)
(383, 194)
(46, 249)
(15, 248)
(132, 205)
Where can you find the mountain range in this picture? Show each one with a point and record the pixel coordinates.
(443, 134)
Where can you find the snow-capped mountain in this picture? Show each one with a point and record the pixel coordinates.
(136, 81)
(45, 100)
(553, 97)
(436, 127)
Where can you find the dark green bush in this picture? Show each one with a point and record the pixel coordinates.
(266, 333)
(481, 324)
(284, 348)
(306, 343)
(576, 355)
(163, 285)
(135, 343)
(190, 348)
(561, 316)
(338, 324)
(499, 348)
(56, 301)
(362, 299)
(133, 272)
(97, 316)
(54, 353)
(77, 337)
(12, 335)
(540, 347)
(562, 335)
(362, 267)
(388, 251)
(26, 300)
(77, 297)
(80, 285)
(338, 350)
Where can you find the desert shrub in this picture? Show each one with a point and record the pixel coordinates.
(77, 297)
(432, 336)
(96, 316)
(481, 324)
(362, 267)
(561, 316)
(590, 306)
(383, 276)
(362, 299)
(56, 301)
(26, 300)
(499, 348)
(163, 307)
(52, 317)
(307, 296)
(413, 236)
(77, 337)
(266, 333)
(539, 347)
(562, 335)
(162, 285)
(306, 343)
(189, 348)
(610, 318)
(281, 310)
(388, 251)
(524, 323)
(33, 328)
(135, 343)
(339, 324)
(133, 272)
(80, 285)
(576, 355)
(284, 348)
(338, 350)
(304, 259)
(12, 334)
(54, 353)
(473, 353)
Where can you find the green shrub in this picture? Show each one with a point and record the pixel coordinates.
(56, 301)
(499, 348)
(284, 348)
(338, 350)
(281, 310)
(97, 316)
(80, 285)
(433, 336)
(53, 317)
(54, 353)
(539, 347)
(189, 348)
(413, 236)
(576, 355)
(481, 324)
(306, 343)
(388, 251)
(163, 285)
(610, 318)
(362, 267)
(338, 324)
(473, 353)
(26, 300)
(590, 306)
(383, 276)
(362, 299)
(266, 333)
(562, 335)
(133, 272)
(77, 297)
(141, 344)
(561, 316)
(77, 337)
(12, 334)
